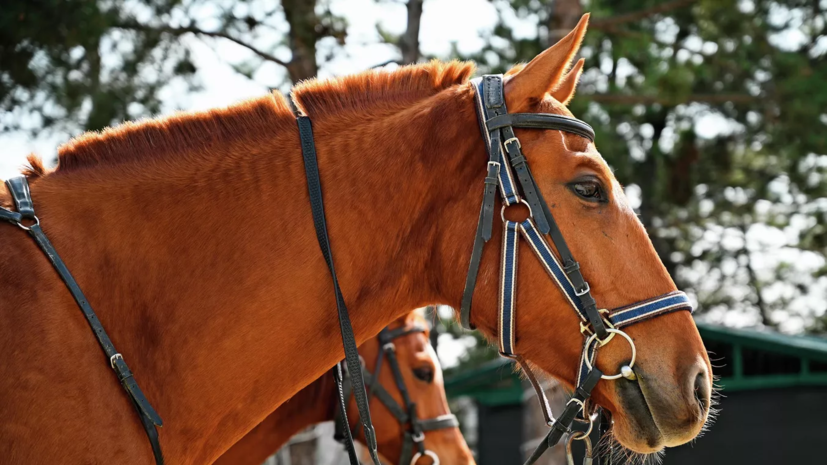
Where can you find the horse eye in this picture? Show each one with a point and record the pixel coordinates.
(424, 374)
(588, 190)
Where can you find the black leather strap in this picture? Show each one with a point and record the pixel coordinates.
(473, 271)
(10, 216)
(388, 335)
(314, 187)
(541, 121)
(441, 422)
(485, 222)
(19, 188)
(563, 424)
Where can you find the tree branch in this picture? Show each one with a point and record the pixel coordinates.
(409, 42)
(755, 284)
(649, 100)
(611, 23)
(179, 31)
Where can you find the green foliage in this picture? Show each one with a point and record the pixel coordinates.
(714, 110)
(77, 65)
(63, 62)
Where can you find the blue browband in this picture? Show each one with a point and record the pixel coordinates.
(597, 325)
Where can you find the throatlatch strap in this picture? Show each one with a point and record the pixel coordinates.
(314, 187)
(19, 188)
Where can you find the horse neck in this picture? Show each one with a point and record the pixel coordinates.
(208, 274)
(313, 404)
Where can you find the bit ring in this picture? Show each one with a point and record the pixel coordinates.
(593, 337)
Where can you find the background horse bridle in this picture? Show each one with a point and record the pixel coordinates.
(413, 427)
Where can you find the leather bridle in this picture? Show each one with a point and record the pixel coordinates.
(598, 326)
(497, 125)
(414, 428)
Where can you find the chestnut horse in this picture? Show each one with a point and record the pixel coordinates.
(192, 237)
(422, 377)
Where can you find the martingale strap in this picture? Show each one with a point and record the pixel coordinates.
(314, 186)
(19, 189)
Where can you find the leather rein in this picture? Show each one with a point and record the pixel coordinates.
(414, 428)
(506, 162)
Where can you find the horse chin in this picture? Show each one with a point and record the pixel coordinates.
(635, 428)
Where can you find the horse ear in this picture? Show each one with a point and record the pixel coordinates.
(565, 89)
(546, 70)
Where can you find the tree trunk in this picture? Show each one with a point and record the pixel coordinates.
(302, 38)
(409, 42)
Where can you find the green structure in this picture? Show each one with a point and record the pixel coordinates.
(763, 376)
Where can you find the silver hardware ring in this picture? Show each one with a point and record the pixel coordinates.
(28, 228)
(592, 338)
(428, 453)
(502, 210)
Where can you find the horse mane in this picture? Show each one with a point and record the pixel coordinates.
(177, 134)
(180, 134)
(379, 91)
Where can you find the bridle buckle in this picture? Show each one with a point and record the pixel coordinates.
(513, 139)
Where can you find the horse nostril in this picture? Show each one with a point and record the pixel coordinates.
(702, 390)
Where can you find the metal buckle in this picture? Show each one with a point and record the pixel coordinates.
(584, 291)
(495, 163)
(389, 347)
(113, 358)
(513, 139)
(588, 418)
(418, 437)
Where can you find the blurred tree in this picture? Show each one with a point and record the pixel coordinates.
(86, 64)
(712, 112)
